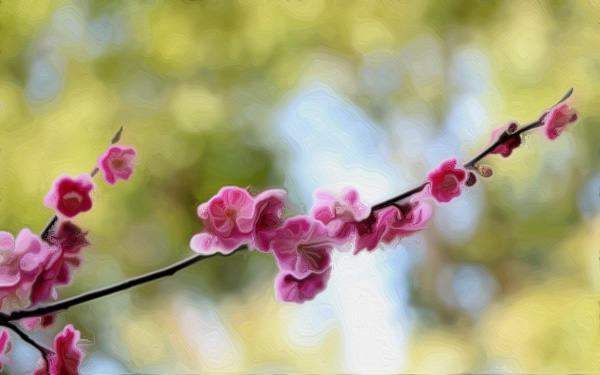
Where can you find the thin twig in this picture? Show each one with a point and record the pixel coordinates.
(172, 269)
(54, 219)
(67, 303)
(45, 352)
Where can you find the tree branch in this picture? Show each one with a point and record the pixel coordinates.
(45, 352)
(99, 293)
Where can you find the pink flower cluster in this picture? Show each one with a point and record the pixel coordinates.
(302, 245)
(31, 267)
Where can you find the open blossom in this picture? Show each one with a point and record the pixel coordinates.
(405, 220)
(558, 119)
(290, 288)
(21, 260)
(446, 181)
(228, 221)
(508, 141)
(68, 241)
(117, 163)
(268, 211)
(339, 214)
(301, 246)
(390, 223)
(68, 357)
(70, 196)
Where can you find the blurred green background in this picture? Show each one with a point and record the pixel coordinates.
(305, 94)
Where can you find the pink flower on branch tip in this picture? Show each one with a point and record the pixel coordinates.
(70, 196)
(446, 180)
(558, 119)
(290, 288)
(301, 246)
(117, 163)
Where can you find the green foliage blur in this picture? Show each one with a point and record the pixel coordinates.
(195, 85)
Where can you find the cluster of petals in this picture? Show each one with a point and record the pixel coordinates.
(68, 356)
(68, 240)
(290, 288)
(509, 140)
(21, 262)
(339, 214)
(446, 181)
(391, 223)
(233, 217)
(558, 119)
(70, 196)
(117, 163)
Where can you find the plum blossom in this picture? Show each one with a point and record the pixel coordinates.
(268, 210)
(390, 223)
(339, 214)
(21, 260)
(509, 140)
(69, 239)
(301, 246)
(558, 119)
(70, 196)
(290, 288)
(68, 357)
(117, 163)
(229, 220)
(405, 220)
(446, 181)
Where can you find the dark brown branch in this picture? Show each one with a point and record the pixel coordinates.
(45, 352)
(170, 270)
(67, 303)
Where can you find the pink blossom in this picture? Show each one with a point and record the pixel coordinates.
(69, 239)
(509, 140)
(21, 261)
(68, 357)
(268, 215)
(558, 119)
(3, 346)
(117, 163)
(70, 196)
(392, 222)
(302, 246)
(405, 220)
(228, 221)
(290, 288)
(339, 214)
(446, 181)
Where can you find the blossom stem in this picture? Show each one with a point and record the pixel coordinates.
(395, 199)
(539, 122)
(172, 269)
(45, 352)
(99, 293)
(94, 172)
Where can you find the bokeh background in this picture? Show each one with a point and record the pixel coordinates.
(307, 95)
